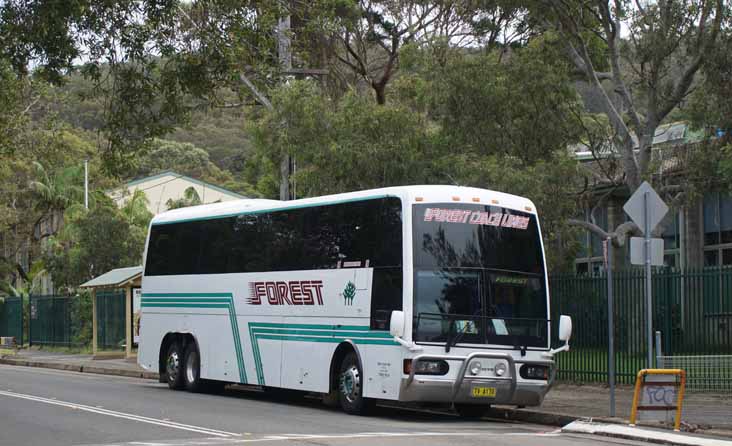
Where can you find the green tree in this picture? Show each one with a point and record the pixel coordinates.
(347, 145)
(641, 60)
(476, 100)
(95, 241)
(190, 198)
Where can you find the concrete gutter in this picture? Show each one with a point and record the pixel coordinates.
(79, 368)
(640, 434)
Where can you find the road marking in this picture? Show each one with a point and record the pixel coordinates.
(305, 437)
(127, 416)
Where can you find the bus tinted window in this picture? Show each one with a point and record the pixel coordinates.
(317, 237)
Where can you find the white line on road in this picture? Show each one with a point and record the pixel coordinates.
(127, 416)
(305, 437)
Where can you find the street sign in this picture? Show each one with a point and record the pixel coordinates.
(646, 209)
(638, 253)
(657, 209)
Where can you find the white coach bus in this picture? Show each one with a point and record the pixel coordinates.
(434, 294)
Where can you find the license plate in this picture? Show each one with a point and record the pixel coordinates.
(483, 392)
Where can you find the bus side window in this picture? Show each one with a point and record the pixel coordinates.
(386, 296)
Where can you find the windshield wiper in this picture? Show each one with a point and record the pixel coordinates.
(450, 341)
(450, 328)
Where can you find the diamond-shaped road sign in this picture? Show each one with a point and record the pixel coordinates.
(657, 209)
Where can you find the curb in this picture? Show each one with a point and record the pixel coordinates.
(639, 434)
(80, 368)
(531, 416)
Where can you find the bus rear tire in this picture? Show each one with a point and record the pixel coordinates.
(174, 366)
(350, 386)
(471, 411)
(192, 370)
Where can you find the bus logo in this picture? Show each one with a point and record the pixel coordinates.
(349, 292)
(293, 292)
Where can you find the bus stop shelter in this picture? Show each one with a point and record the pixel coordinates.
(129, 280)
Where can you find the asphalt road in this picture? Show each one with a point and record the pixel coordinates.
(42, 407)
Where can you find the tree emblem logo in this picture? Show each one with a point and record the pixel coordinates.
(349, 292)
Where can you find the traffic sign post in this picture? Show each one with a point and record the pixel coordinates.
(647, 209)
(610, 324)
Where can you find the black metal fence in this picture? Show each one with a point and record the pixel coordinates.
(111, 319)
(692, 309)
(60, 320)
(11, 318)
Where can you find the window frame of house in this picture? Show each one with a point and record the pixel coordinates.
(721, 249)
(590, 263)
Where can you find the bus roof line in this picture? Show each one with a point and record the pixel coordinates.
(274, 209)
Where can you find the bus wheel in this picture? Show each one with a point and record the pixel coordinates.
(473, 411)
(192, 370)
(350, 386)
(174, 366)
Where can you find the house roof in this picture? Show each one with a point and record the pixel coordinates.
(114, 278)
(185, 177)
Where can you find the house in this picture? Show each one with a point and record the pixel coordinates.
(169, 186)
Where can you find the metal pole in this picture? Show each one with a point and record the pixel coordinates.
(610, 327)
(86, 184)
(659, 351)
(649, 298)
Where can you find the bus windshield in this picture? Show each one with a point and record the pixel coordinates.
(479, 276)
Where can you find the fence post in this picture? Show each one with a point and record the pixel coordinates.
(22, 328)
(659, 351)
(30, 321)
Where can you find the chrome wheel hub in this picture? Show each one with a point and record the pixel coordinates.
(350, 383)
(173, 366)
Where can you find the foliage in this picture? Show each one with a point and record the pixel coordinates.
(161, 155)
(482, 111)
(190, 198)
(95, 241)
(348, 145)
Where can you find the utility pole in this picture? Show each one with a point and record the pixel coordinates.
(285, 56)
(86, 183)
(610, 326)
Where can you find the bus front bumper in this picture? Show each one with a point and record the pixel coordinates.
(508, 390)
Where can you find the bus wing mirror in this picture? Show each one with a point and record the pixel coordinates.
(565, 328)
(396, 324)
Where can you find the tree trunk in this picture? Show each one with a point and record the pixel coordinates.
(380, 90)
(285, 56)
(285, 178)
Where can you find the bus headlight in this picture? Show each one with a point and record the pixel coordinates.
(426, 367)
(475, 368)
(500, 369)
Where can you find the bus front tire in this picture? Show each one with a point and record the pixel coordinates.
(174, 366)
(350, 386)
(471, 411)
(192, 370)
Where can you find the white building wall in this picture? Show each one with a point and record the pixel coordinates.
(170, 186)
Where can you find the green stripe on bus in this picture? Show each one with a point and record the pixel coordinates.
(183, 305)
(314, 339)
(202, 300)
(186, 299)
(186, 295)
(311, 333)
(313, 326)
(333, 333)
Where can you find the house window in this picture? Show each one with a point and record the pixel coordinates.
(671, 241)
(717, 230)
(590, 258)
